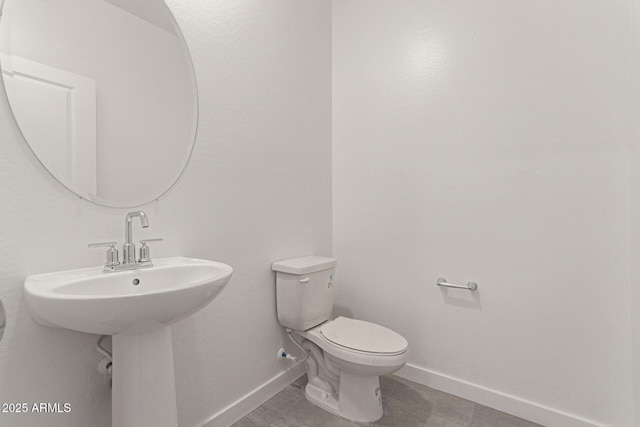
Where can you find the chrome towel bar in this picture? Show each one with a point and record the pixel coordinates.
(472, 286)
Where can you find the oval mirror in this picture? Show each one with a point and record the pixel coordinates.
(104, 93)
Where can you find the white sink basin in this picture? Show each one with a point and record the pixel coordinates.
(137, 308)
(89, 300)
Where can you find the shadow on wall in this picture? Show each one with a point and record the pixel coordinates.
(340, 310)
(3, 320)
(462, 298)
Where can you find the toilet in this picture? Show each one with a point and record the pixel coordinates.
(345, 357)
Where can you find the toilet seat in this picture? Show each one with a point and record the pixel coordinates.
(344, 380)
(351, 355)
(364, 337)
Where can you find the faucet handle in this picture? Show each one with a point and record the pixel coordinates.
(112, 253)
(145, 254)
(103, 245)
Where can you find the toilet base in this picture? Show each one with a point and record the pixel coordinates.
(359, 398)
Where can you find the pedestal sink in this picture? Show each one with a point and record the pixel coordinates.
(137, 307)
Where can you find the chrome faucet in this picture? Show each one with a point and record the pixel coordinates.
(129, 249)
(129, 261)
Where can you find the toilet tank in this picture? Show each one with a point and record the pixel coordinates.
(304, 291)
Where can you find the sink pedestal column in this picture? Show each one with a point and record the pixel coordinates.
(144, 389)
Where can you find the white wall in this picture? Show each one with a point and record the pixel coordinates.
(257, 189)
(634, 157)
(477, 141)
(487, 141)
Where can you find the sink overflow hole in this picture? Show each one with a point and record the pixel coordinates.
(136, 281)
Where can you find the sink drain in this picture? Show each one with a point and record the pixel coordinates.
(135, 282)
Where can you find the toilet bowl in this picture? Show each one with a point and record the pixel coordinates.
(345, 357)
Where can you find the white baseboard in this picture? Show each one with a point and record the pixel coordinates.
(247, 403)
(541, 414)
(537, 413)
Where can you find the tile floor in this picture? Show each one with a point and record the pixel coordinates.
(406, 404)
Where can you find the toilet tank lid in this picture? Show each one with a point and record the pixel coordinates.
(304, 265)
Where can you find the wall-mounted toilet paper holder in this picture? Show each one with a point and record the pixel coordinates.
(472, 286)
